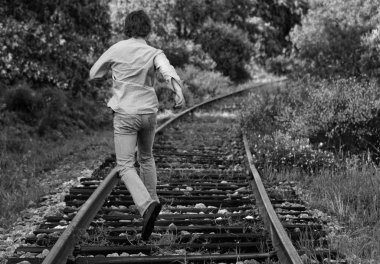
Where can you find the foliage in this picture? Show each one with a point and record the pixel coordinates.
(281, 152)
(329, 39)
(22, 99)
(262, 111)
(24, 161)
(350, 192)
(48, 43)
(49, 112)
(158, 11)
(229, 47)
(203, 84)
(199, 85)
(267, 23)
(343, 114)
(264, 23)
(370, 58)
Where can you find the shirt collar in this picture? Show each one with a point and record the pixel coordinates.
(140, 40)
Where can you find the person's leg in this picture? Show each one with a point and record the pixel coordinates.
(145, 141)
(125, 136)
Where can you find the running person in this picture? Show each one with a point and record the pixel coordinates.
(133, 64)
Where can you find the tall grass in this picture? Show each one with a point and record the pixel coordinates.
(352, 195)
(23, 162)
(325, 134)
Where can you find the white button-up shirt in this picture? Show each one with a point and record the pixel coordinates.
(133, 63)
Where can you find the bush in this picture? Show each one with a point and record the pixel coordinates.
(229, 47)
(22, 99)
(370, 58)
(280, 151)
(329, 38)
(262, 111)
(343, 114)
(51, 44)
(178, 57)
(203, 84)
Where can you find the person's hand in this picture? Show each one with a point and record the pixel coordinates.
(179, 100)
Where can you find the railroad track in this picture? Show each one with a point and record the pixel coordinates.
(215, 206)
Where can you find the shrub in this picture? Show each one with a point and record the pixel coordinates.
(262, 111)
(54, 106)
(178, 57)
(229, 47)
(280, 151)
(341, 114)
(203, 84)
(51, 44)
(329, 38)
(370, 58)
(22, 99)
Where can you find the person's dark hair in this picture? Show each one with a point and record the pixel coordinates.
(137, 24)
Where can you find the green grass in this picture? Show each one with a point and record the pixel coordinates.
(25, 164)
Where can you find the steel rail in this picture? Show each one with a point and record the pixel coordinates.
(286, 252)
(64, 246)
(212, 100)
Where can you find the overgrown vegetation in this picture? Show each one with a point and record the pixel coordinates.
(322, 128)
(324, 133)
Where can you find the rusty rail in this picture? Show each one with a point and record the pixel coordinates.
(286, 252)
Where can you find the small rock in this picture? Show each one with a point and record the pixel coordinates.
(29, 255)
(304, 216)
(251, 261)
(112, 255)
(31, 204)
(10, 249)
(63, 222)
(181, 251)
(185, 233)
(124, 254)
(24, 262)
(200, 205)
(223, 211)
(41, 235)
(172, 227)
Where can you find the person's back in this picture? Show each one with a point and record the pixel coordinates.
(133, 74)
(134, 102)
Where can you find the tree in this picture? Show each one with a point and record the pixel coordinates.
(52, 42)
(229, 47)
(330, 37)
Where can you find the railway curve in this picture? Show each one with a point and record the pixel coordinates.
(216, 207)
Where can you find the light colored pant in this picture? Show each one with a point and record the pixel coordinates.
(129, 130)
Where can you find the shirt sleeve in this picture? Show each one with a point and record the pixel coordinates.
(101, 66)
(163, 65)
